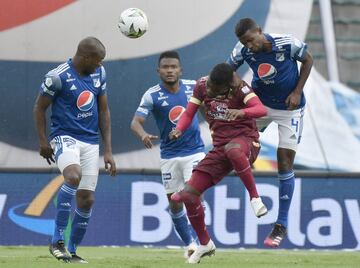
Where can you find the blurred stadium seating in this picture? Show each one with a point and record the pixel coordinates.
(346, 15)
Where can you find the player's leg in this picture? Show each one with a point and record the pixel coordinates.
(290, 125)
(190, 196)
(242, 152)
(208, 172)
(188, 163)
(172, 180)
(84, 198)
(67, 155)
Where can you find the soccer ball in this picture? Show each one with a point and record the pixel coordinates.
(133, 22)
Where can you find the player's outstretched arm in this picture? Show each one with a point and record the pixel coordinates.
(293, 100)
(185, 120)
(137, 126)
(40, 107)
(105, 129)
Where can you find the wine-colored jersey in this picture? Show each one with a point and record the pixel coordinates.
(222, 130)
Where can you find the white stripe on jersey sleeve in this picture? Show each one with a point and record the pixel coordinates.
(61, 68)
(153, 89)
(283, 41)
(147, 104)
(277, 36)
(236, 59)
(188, 82)
(298, 49)
(102, 73)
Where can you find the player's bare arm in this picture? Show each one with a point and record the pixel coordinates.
(254, 109)
(137, 126)
(40, 107)
(105, 129)
(293, 100)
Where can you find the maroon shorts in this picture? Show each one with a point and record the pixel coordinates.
(216, 163)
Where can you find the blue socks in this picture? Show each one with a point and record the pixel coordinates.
(181, 226)
(286, 190)
(78, 228)
(63, 207)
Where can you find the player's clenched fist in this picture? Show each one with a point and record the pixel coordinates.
(175, 134)
(233, 114)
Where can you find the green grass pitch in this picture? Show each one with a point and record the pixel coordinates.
(138, 257)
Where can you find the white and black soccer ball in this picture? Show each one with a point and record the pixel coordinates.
(133, 22)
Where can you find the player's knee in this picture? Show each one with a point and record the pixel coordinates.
(285, 165)
(184, 196)
(232, 145)
(285, 159)
(175, 207)
(85, 199)
(72, 175)
(233, 150)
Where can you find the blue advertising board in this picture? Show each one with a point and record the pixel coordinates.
(132, 210)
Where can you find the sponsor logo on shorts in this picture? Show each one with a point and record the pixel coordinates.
(166, 176)
(69, 142)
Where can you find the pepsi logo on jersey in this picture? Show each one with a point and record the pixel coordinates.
(266, 71)
(175, 113)
(85, 101)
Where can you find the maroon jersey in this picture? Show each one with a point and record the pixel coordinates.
(222, 130)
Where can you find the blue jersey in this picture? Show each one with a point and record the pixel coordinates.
(167, 108)
(276, 72)
(74, 101)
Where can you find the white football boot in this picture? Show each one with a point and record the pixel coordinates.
(189, 250)
(258, 207)
(202, 251)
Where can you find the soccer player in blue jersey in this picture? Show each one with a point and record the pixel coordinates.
(167, 101)
(76, 91)
(279, 85)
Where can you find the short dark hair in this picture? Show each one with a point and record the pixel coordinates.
(221, 74)
(169, 54)
(244, 25)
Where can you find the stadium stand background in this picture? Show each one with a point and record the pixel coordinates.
(346, 16)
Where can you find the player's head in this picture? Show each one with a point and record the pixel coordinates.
(169, 67)
(90, 53)
(250, 35)
(220, 81)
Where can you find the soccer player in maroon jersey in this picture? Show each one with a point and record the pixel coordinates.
(231, 107)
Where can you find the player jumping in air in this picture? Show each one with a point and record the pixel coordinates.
(278, 83)
(231, 107)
